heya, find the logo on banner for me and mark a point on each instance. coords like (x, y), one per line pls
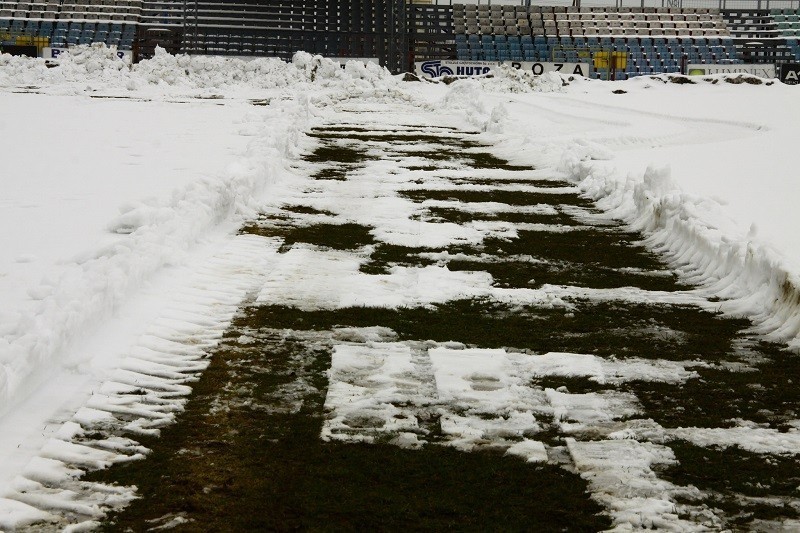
(434, 69)
(697, 69)
(790, 73)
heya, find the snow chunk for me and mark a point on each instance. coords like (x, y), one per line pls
(621, 478)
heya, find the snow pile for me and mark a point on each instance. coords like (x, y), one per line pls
(98, 66)
(507, 79)
(153, 234)
(84, 64)
(752, 278)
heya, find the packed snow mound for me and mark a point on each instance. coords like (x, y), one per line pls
(98, 64)
(507, 79)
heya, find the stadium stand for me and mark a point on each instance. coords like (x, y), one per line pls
(620, 42)
(758, 34)
(629, 41)
(62, 23)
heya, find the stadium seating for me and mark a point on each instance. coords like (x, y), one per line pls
(68, 22)
(645, 40)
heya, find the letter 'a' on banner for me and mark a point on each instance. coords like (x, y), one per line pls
(790, 73)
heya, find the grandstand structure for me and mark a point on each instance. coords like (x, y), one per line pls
(619, 42)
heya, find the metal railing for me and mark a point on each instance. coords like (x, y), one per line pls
(718, 4)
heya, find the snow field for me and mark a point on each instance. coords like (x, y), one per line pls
(390, 390)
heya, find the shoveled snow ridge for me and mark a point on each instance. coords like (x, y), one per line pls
(139, 398)
(151, 236)
(750, 278)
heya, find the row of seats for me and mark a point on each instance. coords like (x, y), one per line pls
(641, 55)
(539, 48)
(111, 10)
(787, 22)
(63, 33)
(517, 20)
(483, 8)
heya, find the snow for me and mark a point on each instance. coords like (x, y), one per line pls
(120, 267)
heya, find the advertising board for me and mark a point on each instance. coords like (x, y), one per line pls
(434, 69)
(52, 53)
(762, 71)
(790, 73)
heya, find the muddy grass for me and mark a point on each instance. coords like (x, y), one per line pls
(334, 236)
(246, 454)
(739, 480)
(518, 198)
(241, 459)
(621, 329)
(765, 395)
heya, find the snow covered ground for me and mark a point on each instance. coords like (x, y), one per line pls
(123, 191)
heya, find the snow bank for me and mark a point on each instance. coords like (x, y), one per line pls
(693, 234)
(96, 66)
(158, 232)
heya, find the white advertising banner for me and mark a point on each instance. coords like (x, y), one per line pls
(581, 69)
(763, 71)
(52, 53)
(434, 69)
